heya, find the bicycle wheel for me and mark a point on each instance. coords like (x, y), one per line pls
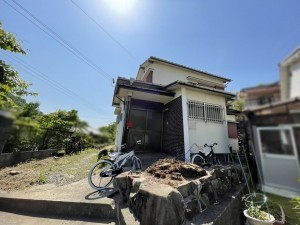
(198, 160)
(100, 175)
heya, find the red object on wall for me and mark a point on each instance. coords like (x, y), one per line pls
(129, 124)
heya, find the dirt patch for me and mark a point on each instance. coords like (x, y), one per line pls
(54, 170)
(173, 172)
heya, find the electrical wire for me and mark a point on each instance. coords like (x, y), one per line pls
(51, 33)
(105, 31)
(44, 78)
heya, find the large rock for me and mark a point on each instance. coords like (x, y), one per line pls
(158, 204)
(191, 188)
(171, 192)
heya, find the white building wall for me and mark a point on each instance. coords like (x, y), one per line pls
(166, 74)
(234, 143)
(120, 127)
(201, 132)
(295, 80)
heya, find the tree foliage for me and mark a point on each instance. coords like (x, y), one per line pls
(32, 129)
(238, 104)
(11, 85)
(108, 133)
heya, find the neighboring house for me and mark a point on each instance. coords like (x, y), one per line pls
(276, 133)
(290, 76)
(170, 107)
(260, 95)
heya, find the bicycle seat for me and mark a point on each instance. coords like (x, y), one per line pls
(114, 155)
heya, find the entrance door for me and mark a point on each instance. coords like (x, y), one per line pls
(147, 128)
(280, 163)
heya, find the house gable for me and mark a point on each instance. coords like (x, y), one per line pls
(165, 72)
(290, 75)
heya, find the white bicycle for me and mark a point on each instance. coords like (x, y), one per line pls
(103, 172)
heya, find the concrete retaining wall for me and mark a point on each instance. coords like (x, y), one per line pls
(7, 159)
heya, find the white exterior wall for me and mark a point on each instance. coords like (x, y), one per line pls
(295, 80)
(201, 132)
(234, 143)
(166, 74)
(230, 118)
(185, 115)
(120, 127)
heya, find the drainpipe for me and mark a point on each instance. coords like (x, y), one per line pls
(185, 125)
(127, 116)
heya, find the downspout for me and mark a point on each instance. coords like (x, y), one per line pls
(127, 104)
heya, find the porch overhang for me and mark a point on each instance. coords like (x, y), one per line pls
(140, 90)
(177, 84)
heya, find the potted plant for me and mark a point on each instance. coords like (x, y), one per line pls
(256, 216)
(255, 212)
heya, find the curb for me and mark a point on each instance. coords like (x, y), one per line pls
(52, 208)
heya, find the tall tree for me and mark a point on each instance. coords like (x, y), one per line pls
(11, 85)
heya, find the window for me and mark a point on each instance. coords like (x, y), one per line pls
(276, 142)
(148, 77)
(205, 111)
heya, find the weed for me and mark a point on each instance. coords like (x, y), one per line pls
(42, 178)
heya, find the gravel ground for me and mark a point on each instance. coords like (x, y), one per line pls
(53, 170)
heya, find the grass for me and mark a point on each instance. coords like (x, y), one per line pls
(60, 171)
(42, 178)
(292, 217)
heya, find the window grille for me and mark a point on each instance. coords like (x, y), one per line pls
(205, 111)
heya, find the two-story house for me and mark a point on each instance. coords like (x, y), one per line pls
(170, 107)
(260, 95)
(276, 133)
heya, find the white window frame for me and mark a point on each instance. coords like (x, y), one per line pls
(205, 111)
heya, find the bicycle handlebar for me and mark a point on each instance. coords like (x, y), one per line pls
(206, 145)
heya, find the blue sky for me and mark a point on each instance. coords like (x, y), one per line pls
(241, 40)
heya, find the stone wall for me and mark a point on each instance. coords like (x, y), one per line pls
(7, 159)
(214, 198)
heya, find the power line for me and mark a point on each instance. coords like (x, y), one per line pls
(51, 33)
(60, 88)
(106, 32)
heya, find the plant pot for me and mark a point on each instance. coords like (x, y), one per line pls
(254, 221)
(5, 127)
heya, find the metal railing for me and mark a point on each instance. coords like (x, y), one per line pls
(205, 111)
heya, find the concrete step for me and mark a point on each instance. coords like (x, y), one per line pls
(52, 208)
(76, 200)
(8, 218)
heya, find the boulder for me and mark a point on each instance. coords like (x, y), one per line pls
(158, 204)
(191, 188)
(124, 185)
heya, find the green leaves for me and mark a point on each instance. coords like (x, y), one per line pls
(9, 42)
(238, 104)
(11, 85)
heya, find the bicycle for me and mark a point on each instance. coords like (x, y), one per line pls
(106, 170)
(203, 160)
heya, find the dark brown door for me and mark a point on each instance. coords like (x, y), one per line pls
(147, 128)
